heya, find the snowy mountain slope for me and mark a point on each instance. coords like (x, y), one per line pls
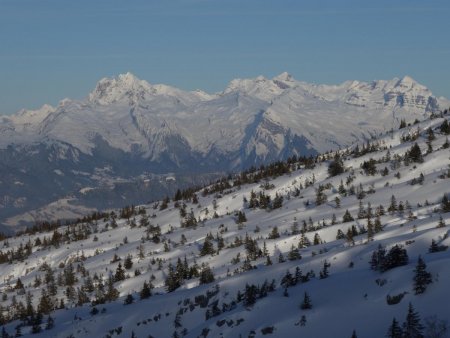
(245, 250)
(160, 129)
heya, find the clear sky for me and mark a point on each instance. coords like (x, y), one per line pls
(52, 49)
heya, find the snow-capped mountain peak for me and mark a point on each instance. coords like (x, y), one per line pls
(285, 77)
(124, 86)
(408, 83)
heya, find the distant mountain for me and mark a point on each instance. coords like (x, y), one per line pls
(127, 130)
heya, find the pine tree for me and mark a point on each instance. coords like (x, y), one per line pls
(394, 331)
(120, 273)
(294, 228)
(274, 233)
(129, 299)
(206, 275)
(317, 240)
(50, 323)
(128, 263)
(354, 334)
(306, 304)
(393, 206)
(347, 217)
(336, 166)
(377, 226)
(304, 241)
(445, 204)
(370, 230)
(146, 291)
(207, 248)
(422, 277)
(441, 223)
(241, 217)
(69, 275)
(340, 234)
(445, 127)
(321, 197)
(294, 254)
(415, 154)
(111, 292)
(412, 328)
(433, 247)
(324, 272)
(250, 295)
(45, 305)
(172, 281)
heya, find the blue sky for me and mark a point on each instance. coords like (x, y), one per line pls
(52, 49)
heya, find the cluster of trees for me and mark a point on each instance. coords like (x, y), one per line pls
(383, 261)
(177, 274)
(263, 201)
(412, 327)
(254, 292)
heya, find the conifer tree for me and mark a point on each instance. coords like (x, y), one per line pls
(128, 263)
(340, 234)
(324, 272)
(207, 248)
(336, 166)
(347, 217)
(146, 291)
(294, 254)
(317, 240)
(120, 273)
(206, 275)
(415, 154)
(441, 223)
(111, 292)
(321, 197)
(445, 127)
(377, 225)
(394, 331)
(306, 304)
(433, 247)
(241, 218)
(129, 299)
(412, 328)
(393, 206)
(422, 277)
(250, 295)
(445, 204)
(370, 230)
(172, 281)
(274, 233)
(50, 323)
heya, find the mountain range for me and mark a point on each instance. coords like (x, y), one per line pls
(135, 141)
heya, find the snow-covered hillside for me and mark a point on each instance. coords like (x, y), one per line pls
(157, 129)
(238, 258)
